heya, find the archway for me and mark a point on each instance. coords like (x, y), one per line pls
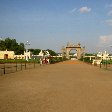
(79, 50)
(5, 56)
(73, 54)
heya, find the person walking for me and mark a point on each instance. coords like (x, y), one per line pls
(41, 61)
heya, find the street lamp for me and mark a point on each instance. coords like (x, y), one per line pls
(27, 44)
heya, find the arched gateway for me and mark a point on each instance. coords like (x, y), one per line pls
(66, 50)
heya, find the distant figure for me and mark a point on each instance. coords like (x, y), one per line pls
(46, 61)
(41, 61)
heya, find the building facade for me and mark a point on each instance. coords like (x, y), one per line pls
(11, 55)
(7, 54)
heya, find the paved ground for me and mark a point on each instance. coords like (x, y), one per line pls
(63, 87)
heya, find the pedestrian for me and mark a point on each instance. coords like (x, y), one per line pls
(41, 62)
(45, 61)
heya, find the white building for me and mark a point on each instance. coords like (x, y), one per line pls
(41, 53)
(11, 55)
(26, 55)
(6, 54)
(101, 56)
(104, 56)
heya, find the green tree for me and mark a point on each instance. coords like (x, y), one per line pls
(51, 52)
(34, 51)
(20, 49)
(12, 45)
(2, 45)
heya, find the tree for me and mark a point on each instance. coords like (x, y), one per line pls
(51, 52)
(20, 48)
(2, 45)
(34, 51)
(12, 45)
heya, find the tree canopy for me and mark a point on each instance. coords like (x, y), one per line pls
(19, 48)
(51, 52)
(34, 51)
(37, 51)
(12, 45)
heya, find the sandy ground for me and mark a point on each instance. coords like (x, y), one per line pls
(70, 86)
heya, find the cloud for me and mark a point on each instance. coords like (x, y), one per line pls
(73, 11)
(110, 13)
(84, 9)
(109, 22)
(105, 39)
(81, 10)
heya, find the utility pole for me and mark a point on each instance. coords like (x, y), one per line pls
(27, 44)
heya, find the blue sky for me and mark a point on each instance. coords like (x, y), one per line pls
(50, 24)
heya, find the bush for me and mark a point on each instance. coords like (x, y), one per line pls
(87, 59)
(33, 60)
(12, 60)
(53, 60)
(106, 61)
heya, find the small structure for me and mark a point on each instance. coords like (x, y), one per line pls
(101, 56)
(96, 62)
(11, 55)
(104, 56)
(27, 55)
(47, 53)
(43, 56)
(41, 53)
(6, 54)
(90, 57)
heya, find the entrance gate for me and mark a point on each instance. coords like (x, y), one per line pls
(66, 50)
(5, 56)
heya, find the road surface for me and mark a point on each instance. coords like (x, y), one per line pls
(70, 86)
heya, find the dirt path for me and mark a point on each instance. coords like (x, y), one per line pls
(63, 87)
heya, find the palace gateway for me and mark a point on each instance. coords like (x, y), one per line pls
(66, 50)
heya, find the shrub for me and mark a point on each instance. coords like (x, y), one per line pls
(87, 59)
(53, 60)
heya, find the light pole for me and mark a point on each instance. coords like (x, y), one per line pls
(26, 44)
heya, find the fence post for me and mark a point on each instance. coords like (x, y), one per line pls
(16, 65)
(106, 64)
(34, 64)
(100, 64)
(21, 65)
(25, 65)
(4, 68)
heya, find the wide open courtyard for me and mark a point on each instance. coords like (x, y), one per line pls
(70, 86)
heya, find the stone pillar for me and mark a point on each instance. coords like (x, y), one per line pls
(90, 57)
(78, 53)
(67, 53)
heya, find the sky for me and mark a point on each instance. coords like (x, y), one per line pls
(50, 24)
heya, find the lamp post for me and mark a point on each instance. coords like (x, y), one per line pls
(26, 44)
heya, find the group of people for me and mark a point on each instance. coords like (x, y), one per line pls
(44, 61)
